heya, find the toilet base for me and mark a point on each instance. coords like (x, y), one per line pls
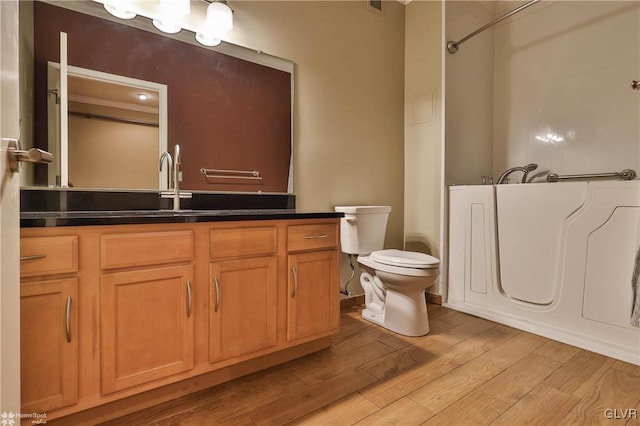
(404, 314)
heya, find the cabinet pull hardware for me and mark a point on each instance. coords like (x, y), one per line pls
(315, 237)
(33, 257)
(68, 319)
(217, 284)
(188, 298)
(295, 281)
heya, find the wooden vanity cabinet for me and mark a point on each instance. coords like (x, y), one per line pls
(48, 323)
(147, 328)
(313, 308)
(243, 286)
(158, 311)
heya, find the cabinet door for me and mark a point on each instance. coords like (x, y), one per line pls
(48, 344)
(147, 326)
(313, 299)
(242, 306)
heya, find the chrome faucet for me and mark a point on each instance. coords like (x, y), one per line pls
(524, 169)
(176, 178)
(165, 156)
(173, 178)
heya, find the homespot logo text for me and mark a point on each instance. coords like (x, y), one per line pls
(11, 419)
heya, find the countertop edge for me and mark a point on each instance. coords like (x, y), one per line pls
(59, 219)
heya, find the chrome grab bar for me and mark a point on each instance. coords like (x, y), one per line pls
(230, 174)
(626, 174)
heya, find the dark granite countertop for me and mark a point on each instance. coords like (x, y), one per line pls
(121, 217)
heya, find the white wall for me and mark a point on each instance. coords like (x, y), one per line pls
(423, 127)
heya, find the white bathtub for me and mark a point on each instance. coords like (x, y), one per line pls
(554, 259)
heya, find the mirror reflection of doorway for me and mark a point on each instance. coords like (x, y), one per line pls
(114, 131)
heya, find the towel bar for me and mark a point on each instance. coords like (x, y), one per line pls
(230, 174)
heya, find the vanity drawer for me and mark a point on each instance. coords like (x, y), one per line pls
(48, 255)
(235, 242)
(145, 248)
(312, 236)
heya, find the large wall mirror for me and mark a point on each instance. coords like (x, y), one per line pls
(228, 107)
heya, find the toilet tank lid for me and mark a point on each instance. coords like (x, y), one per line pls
(407, 259)
(362, 209)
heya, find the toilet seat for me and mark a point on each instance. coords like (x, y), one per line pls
(369, 262)
(405, 259)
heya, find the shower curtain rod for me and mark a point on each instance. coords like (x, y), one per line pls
(452, 46)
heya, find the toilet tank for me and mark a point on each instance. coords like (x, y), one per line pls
(362, 228)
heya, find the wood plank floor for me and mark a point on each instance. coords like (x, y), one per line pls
(467, 371)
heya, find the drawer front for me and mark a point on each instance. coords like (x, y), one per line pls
(145, 248)
(48, 255)
(237, 242)
(312, 236)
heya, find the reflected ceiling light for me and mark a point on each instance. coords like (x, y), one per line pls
(142, 96)
(550, 138)
(171, 13)
(218, 21)
(119, 9)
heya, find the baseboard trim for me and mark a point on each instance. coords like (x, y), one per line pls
(434, 298)
(348, 302)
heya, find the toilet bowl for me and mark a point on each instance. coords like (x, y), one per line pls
(394, 281)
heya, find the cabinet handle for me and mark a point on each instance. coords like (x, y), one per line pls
(188, 298)
(33, 257)
(68, 319)
(315, 237)
(295, 281)
(217, 284)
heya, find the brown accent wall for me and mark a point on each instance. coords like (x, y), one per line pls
(224, 112)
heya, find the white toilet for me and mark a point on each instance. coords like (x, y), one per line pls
(394, 281)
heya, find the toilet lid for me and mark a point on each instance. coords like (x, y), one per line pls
(405, 259)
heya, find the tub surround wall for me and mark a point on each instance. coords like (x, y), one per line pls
(565, 69)
(557, 68)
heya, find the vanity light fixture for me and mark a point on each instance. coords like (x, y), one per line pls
(209, 20)
(218, 21)
(171, 13)
(119, 9)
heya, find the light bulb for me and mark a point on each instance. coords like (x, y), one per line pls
(119, 9)
(208, 39)
(170, 15)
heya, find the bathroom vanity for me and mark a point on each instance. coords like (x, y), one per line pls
(126, 309)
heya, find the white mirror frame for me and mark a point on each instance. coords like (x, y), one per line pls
(110, 78)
